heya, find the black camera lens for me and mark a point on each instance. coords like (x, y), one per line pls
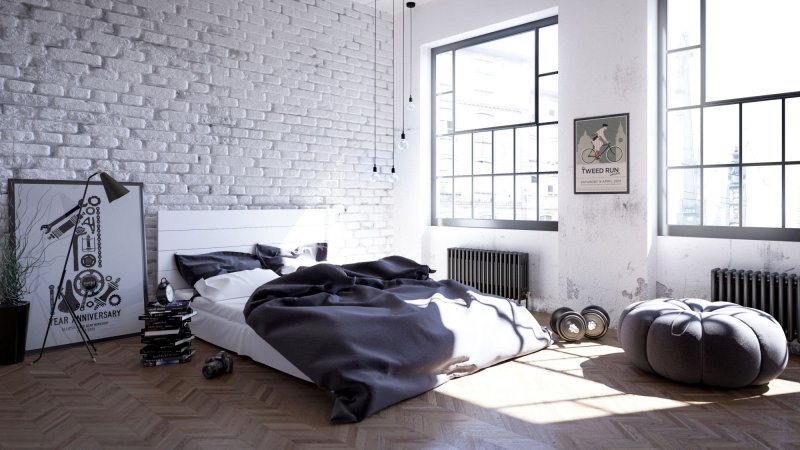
(217, 365)
(212, 368)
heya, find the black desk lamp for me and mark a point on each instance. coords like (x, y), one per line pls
(114, 190)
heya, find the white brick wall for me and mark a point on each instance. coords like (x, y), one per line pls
(211, 104)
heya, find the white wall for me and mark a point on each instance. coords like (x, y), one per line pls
(601, 248)
(606, 251)
(211, 105)
(684, 264)
(605, 239)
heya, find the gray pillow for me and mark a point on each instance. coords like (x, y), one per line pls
(196, 267)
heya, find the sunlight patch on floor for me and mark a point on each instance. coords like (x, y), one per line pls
(582, 381)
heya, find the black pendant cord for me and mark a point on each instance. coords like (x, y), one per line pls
(411, 6)
(394, 34)
(375, 95)
(403, 77)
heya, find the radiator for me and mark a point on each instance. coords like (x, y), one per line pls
(500, 273)
(776, 294)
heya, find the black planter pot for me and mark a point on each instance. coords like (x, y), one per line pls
(13, 332)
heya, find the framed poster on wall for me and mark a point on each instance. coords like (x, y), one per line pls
(106, 265)
(601, 155)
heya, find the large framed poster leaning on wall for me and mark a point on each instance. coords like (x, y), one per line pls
(106, 271)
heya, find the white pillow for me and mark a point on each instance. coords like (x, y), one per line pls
(233, 285)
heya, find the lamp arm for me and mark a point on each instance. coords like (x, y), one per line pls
(72, 238)
(64, 272)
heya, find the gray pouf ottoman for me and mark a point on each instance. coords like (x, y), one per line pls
(692, 340)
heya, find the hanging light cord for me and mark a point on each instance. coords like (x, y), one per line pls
(375, 93)
(403, 77)
(393, 62)
(411, 50)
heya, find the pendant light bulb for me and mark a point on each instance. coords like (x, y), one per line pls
(376, 176)
(403, 144)
(394, 175)
(411, 105)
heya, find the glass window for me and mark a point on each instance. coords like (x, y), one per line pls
(684, 196)
(792, 132)
(721, 134)
(495, 82)
(503, 151)
(792, 202)
(495, 116)
(731, 107)
(683, 140)
(736, 59)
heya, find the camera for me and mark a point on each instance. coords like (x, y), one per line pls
(218, 364)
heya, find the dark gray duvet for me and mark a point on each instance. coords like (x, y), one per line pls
(379, 332)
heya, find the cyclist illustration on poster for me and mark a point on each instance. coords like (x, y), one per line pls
(601, 155)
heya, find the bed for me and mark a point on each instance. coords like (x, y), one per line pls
(372, 333)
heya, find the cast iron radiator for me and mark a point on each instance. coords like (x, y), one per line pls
(776, 294)
(500, 273)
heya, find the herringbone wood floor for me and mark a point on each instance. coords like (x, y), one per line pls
(583, 395)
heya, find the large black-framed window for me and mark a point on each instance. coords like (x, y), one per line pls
(730, 111)
(494, 128)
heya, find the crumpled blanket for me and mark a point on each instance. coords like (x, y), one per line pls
(379, 332)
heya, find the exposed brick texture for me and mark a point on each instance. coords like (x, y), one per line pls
(212, 104)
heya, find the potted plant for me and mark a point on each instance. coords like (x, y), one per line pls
(13, 308)
(19, 258)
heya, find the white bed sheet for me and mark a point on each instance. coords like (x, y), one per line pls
(222, 324)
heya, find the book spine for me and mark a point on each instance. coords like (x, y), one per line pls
(164, 361)
(165, 355)
(166, 340)
(154, 348)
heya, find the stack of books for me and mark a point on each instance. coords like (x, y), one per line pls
(166, 335)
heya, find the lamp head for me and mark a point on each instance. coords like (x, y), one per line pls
(114, 189)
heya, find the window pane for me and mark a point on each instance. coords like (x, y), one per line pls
(463, 198)
(683, 23)
(761, 196)
(548, 98)
(526, 197)
(463, 154)
(761, 132)
(740, 38)
(504, 198)
(548, 197)
(548, 49)
(444, 72)
(495, 82)
(792, 132)
(721, 134)
(444, 156)
(683, 78)
(721, 196)
(504, 151)
(482, 153)
(548, 148)
(793, 196)
(683, 137)
(482, 196)
(490, 100)
(683, 207)
(444, 194)
(444, 113)
(526, 149)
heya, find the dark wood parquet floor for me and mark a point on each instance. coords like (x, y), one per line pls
(583, 395)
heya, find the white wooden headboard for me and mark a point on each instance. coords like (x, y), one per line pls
(194, 232)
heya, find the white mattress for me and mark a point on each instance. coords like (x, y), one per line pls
(222, 324)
